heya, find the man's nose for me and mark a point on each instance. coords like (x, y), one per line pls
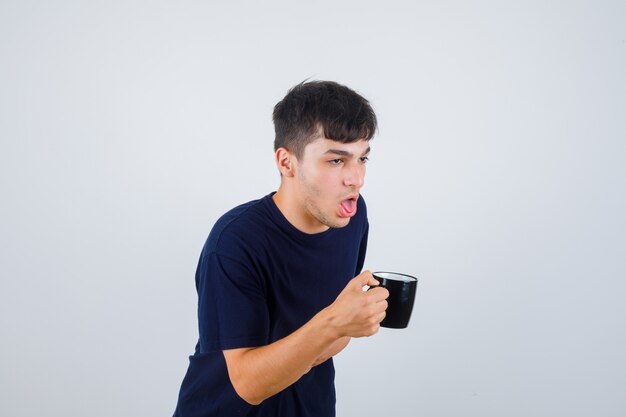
(355, 177)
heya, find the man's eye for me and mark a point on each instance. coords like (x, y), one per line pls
(335, 161)
(364, 159)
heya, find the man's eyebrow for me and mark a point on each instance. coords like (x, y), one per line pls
(341, 152)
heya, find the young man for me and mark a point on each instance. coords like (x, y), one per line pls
(280, 288)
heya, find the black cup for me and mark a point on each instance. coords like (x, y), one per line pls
(402, 290)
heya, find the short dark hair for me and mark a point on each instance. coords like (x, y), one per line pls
(312, 108)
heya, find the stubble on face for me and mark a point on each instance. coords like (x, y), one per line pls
(312, 193)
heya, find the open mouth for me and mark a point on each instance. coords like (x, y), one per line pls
(347, 208)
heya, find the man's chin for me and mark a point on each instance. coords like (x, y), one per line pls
(339, 222)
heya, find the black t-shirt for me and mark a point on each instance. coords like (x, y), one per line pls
(258, 280)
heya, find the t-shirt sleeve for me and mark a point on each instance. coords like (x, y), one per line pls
(232, 305)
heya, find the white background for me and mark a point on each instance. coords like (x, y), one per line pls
(498, 178)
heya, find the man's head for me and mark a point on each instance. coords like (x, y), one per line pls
(323, 131)
(321, 109)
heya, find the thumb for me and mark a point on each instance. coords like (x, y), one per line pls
(365, 278)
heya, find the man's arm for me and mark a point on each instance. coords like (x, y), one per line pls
(258, 373)
(332, 350)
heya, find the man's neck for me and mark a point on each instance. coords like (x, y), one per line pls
(296, 213)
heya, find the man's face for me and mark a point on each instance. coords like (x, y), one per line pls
(329, 176)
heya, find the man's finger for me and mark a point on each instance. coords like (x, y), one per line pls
(378, 294)
(381, 316)
(373, 282)
(364, 278)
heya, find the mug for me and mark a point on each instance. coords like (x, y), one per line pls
(402, 290)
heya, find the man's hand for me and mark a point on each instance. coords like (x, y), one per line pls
(355, 312)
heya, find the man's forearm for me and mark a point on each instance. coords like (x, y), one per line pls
(339, 345)
(259, 373)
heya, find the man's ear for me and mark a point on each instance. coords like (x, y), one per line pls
(286, 162)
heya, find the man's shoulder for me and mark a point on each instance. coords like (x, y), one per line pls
(242, 221)
(241, 213)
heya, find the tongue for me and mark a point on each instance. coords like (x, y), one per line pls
(348, 208)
